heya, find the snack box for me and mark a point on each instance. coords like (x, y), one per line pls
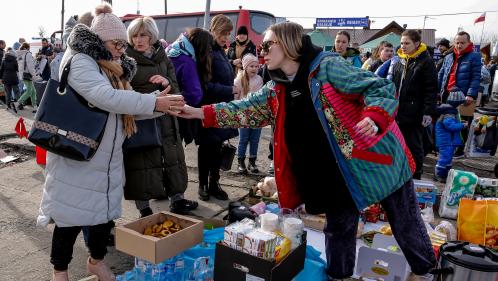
(131, 240)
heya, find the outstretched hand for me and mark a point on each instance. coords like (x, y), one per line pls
(188, 112)
(170, 104)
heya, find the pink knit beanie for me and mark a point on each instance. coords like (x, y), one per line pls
(247, 59)
(107, 25)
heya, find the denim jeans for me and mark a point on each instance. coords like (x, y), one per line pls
(406, 223)
(11, 92)
(248, 137)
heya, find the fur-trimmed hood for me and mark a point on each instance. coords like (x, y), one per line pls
(83, 40)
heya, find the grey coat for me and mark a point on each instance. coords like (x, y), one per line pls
(79, 193)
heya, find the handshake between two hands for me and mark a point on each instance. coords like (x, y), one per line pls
(175, 105)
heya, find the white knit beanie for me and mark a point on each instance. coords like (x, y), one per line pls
(107, 25)
(247, 59)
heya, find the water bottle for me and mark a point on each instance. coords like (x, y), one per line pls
(139, 269)
(143, 270)
(129, 276)
(179, 267)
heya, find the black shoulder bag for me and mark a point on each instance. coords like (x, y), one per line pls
(65, 123)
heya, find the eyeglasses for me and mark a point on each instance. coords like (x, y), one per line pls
(266, 45)
(119, 44)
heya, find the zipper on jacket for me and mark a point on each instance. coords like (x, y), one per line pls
(109, 167)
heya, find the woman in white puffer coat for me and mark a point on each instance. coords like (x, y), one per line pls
(89, 193)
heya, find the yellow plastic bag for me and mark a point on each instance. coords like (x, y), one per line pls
(478, 222)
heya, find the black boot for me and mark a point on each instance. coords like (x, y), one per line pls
(146, 212)
(252, 165)
(203, 192)
(242, 165)
(216, 191)
(20, 106)
(183, 206)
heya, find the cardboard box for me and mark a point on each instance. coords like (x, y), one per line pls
(426, 191)
(383, 260)
(313, 221)
(130, 240)
(233, 265)
(468, 110)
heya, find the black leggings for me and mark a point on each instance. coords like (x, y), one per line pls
(209, 161)
(63, 240)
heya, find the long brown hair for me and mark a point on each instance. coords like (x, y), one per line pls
(202, 42)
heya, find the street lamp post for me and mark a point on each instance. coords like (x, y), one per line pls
(165, 7)
(206, 13)
(62, 18)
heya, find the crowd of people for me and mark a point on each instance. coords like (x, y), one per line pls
(348, 131)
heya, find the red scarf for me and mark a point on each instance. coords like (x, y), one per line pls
(452, 79)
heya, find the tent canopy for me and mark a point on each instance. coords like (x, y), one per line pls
(392, 38)
(322, 40)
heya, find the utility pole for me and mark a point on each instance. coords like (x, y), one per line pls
(165, 7)
(207, 13)
(62, 18)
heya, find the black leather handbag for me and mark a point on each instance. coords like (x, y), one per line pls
(66, 124)
(148, 134)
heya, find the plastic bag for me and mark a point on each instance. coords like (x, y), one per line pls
(448, 229)
(459, 185)
(314, 267)
(478, 222)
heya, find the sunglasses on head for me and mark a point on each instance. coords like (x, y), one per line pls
(266, 45)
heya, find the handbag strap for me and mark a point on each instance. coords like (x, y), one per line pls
(64, 76)
(24, 68)
(68, 134)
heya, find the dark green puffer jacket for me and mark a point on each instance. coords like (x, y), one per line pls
(155, 172)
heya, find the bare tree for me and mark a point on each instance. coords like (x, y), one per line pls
(42, 31)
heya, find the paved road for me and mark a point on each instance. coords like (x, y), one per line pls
(25, 248)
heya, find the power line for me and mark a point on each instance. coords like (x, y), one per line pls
(414, 16)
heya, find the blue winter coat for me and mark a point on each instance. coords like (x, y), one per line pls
(218, 89)
(448, 129)
(468, 74)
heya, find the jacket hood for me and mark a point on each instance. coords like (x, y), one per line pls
(21, 53)
(181, 46)
(446, 109)
(422, 48)
(351, 52)
(448, 52)
(83, 40)
(307, 54)
(11, 53)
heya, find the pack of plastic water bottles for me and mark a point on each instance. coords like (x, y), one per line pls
(173, 269)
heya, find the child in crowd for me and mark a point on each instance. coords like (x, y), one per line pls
(248, 81)
(448, 127)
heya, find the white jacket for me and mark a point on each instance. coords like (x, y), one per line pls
(79, 193)
(30, 62)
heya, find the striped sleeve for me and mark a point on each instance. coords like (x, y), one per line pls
(377, 92)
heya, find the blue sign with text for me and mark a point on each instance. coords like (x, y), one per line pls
(342, 22)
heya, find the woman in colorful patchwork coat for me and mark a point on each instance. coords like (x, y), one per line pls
(337, 147)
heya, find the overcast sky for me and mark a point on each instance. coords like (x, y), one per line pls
(22, 18)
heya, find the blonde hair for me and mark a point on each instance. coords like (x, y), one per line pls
(148, 25)
(289, 36)
(221, 24)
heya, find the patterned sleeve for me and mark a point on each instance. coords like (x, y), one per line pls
(255, 111)
(378, 94)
